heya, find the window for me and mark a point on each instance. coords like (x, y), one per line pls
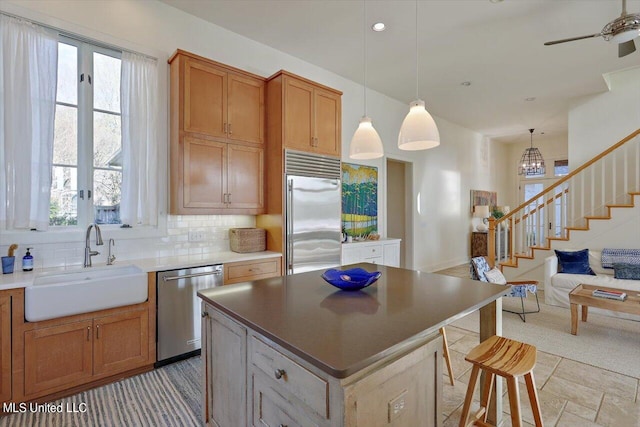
(87, 166)
(561, 167)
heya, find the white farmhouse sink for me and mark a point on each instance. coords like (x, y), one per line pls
(81, 291)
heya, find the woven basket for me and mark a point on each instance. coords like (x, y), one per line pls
(247, 239)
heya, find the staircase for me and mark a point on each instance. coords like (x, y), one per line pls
(592, 192)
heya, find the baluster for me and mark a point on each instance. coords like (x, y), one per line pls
(581, 197)
(613, 176)
(512, 239)
(626, 170)
(603, 185)
(637, 139)
(592, 173)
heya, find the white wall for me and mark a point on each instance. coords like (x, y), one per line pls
(442, 176)
(599, 121)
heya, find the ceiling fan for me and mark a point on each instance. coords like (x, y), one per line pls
(621, 30)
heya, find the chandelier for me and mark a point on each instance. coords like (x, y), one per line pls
(531, 162)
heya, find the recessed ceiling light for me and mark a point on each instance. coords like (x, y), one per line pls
(496, 1)
(378, 26)
(466, 83)
(533, 98)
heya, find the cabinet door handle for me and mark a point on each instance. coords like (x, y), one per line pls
(229, 198)
(205, 314)
(230, 132)
(279, 373)
(224, 128)
(97, 332)
(88, 333)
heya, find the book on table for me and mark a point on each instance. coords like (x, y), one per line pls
(610, 294)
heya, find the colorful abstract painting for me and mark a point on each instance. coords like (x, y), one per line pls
(359, 199)
(483, 198)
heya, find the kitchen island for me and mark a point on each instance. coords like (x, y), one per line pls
(294, 350)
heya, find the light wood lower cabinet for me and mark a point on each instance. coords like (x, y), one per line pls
(403, 389)
(70, 354)
(57, 357)
(5, 348)
(121, 342)
(244, 271)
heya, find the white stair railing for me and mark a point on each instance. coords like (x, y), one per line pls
(586, 193)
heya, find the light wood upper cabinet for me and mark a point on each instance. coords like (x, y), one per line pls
(298, 115)
(205, 99)
(303, 115)
(217, 138)
(204, 173)
(328, 112)
(245, 109)
(245, 177)
(222, 104)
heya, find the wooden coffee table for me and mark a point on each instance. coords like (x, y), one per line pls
(581, 295)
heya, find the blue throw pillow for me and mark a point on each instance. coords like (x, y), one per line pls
(574, 262)
(626, 271)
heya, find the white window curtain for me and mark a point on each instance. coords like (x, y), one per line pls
(28, 83)
(139, 88)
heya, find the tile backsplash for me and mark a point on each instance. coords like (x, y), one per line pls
(186, 235)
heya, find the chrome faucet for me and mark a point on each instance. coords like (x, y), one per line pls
(111, 257)
(88, 253)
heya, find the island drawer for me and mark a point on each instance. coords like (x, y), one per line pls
(251, 270)
(291, 377)
(271, 409)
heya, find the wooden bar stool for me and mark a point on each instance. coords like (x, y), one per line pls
(447, 357)
(509, 359)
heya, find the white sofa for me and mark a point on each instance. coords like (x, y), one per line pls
(557, 286)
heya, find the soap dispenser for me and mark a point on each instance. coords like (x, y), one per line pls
(27, 261)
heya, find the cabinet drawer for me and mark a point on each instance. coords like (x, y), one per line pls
(292, 378)
(251, 270)
(372, 251)
(272, 409)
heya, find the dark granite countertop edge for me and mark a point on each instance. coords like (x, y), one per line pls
(350, 370)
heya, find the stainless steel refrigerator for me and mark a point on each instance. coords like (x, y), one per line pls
(313, 206)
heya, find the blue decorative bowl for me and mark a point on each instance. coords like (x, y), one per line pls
(350, 280)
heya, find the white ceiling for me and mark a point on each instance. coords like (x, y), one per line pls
(498, 47)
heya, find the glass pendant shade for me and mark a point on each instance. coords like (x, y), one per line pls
(531, 162)
(418, 130)
(366, 143)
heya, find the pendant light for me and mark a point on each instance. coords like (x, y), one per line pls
(366, 143)
(531, 162)
(418, 130)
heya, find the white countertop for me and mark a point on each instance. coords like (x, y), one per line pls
(380, 240)
(21, 279)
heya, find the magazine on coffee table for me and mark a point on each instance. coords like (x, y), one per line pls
(615, 295)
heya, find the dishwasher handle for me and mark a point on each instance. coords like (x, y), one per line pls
(187, 276)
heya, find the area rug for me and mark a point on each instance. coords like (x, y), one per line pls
(169, 396)
(605, 342)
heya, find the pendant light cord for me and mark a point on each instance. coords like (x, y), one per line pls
(417, 95)
(364, 36)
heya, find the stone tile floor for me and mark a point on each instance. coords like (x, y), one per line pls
(570, 393)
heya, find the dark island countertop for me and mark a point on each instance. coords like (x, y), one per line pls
(343, 332)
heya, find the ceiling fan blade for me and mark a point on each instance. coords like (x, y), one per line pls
(572, 39)
(626, 48)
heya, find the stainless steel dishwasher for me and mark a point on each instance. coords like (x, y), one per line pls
(178, 315)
